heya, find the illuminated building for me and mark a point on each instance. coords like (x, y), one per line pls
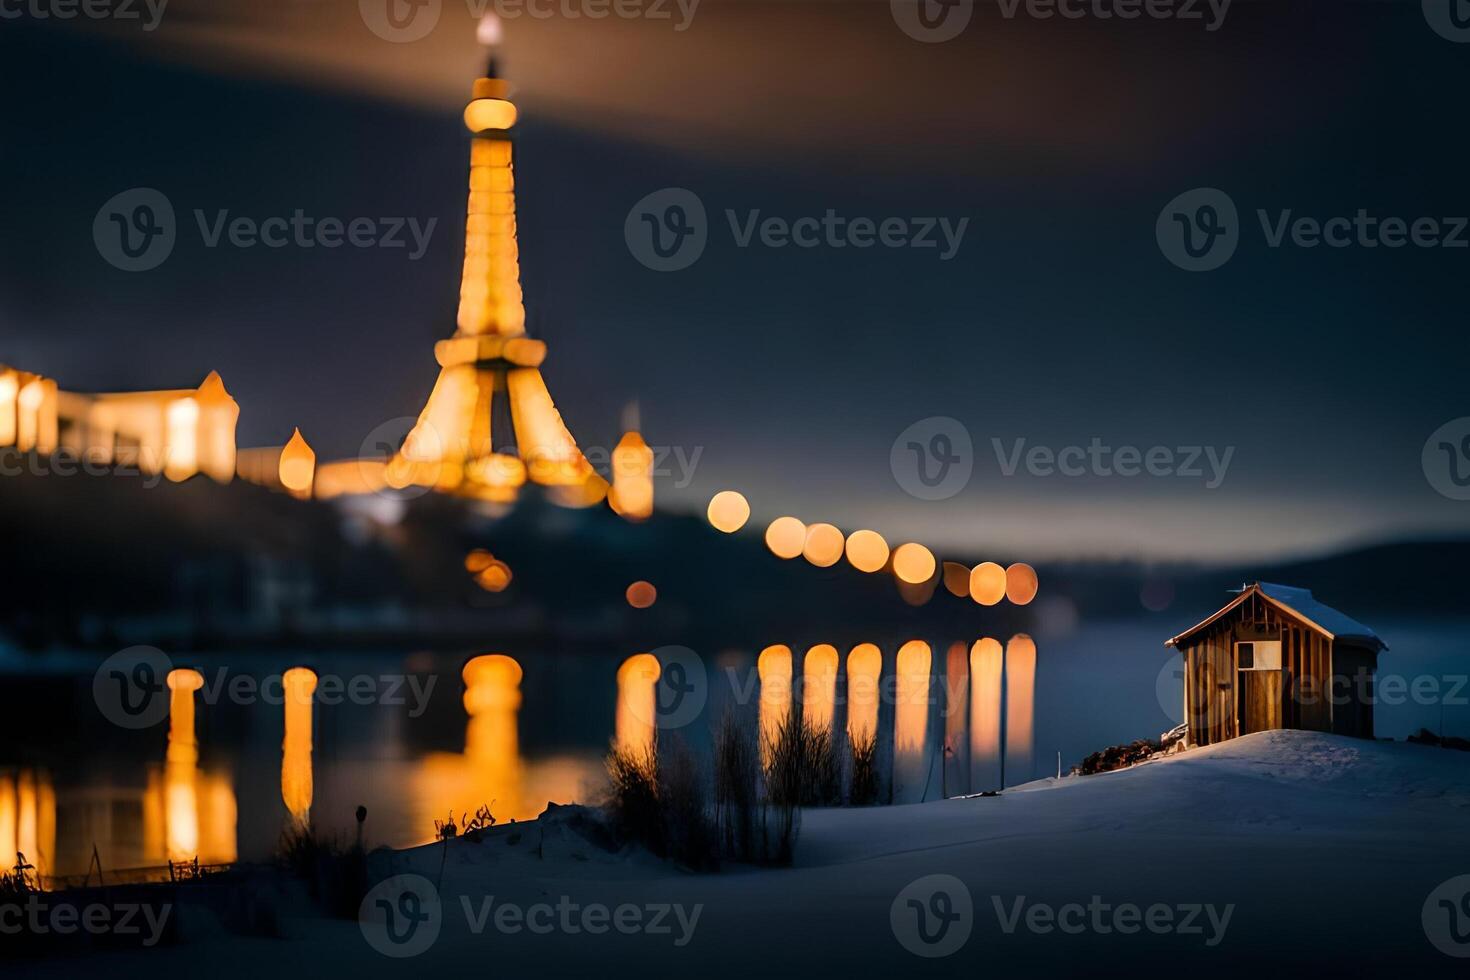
(28, 411)
(291, 468)
(631, 495)
(179, 432)
(490, 425)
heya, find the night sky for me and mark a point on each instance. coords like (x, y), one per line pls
(793, 370)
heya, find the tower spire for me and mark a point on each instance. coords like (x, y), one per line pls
(490, 371)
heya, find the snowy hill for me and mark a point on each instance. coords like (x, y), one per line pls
(1273, 852)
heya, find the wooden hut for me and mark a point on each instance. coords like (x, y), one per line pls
(1275, 657)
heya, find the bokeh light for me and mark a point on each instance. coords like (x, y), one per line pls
(495, 577)
(988, 583)
(823, 545)
(913, 563)
(641, 594)
(867, 551)
(956, 579)
(786, 537)
(1021, 583)
(728, 511)
(297, 465)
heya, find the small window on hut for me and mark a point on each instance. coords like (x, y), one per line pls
(1258, 655)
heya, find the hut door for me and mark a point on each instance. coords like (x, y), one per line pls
(1258, 669)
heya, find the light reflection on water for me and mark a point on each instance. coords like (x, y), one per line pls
(224, 779)
(186, 810)
(234, 777)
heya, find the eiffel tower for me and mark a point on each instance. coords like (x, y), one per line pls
(490, 425)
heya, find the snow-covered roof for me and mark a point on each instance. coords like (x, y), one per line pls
(1304, 606)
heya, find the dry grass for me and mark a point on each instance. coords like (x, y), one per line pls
(863, 788)
(737, 789)
(335, 874)
(658, 798)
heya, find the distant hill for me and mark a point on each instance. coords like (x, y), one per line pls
(106, 562)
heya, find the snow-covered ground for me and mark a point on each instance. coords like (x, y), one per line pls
(1274, 852)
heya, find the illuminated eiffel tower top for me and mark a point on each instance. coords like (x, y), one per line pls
(490, 424)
